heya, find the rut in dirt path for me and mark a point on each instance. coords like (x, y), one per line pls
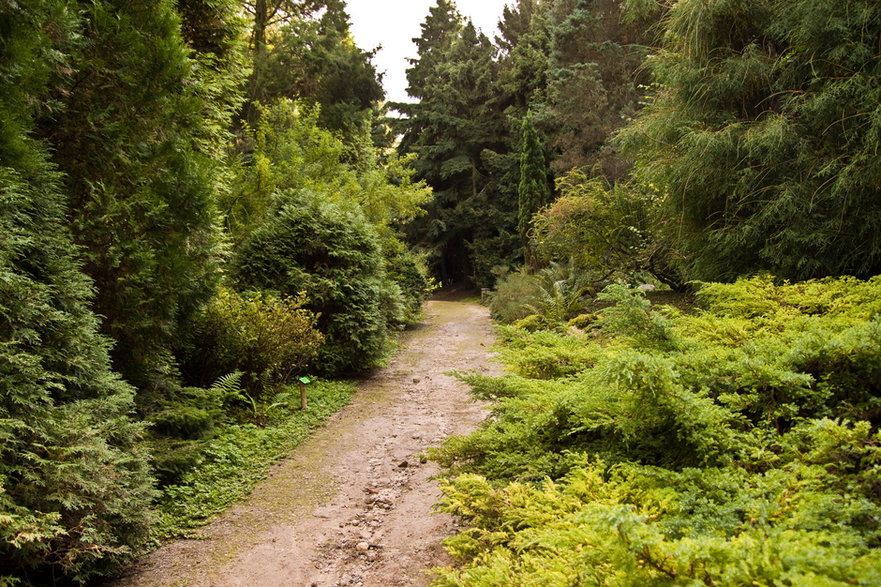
(353, 505)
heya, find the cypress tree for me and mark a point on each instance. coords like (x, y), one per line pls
(130, 140)
(533, 190)
(74, 484)
(764, 137)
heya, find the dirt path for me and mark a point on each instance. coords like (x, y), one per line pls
(353, 505)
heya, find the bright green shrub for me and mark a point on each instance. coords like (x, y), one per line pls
(269, 339)
(582, 321)
(737, 444)
(543, 354)
(332, 252)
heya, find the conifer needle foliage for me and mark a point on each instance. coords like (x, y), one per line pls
(738, 444)
(75, 488)
(763, 136)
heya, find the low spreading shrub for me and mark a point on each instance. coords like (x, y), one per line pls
(735, 444)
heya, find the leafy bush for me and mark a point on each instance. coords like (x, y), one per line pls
(564, 291)
(554, 295)
(410, 272)
(602, 229)
(331, 251)
(269, 339)
(736, 444)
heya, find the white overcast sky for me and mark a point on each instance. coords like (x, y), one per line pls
(394, 23)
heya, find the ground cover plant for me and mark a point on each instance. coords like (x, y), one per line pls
(237, 459)
(734, 444)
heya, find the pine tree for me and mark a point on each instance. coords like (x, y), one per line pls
(763, 137)
(75, 489)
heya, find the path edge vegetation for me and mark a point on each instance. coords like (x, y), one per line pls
(203, 200)
(733, 441)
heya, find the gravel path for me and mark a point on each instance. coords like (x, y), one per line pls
(354, 504)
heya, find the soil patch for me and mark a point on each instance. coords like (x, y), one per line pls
(354, 504)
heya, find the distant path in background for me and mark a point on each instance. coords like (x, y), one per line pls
(352, 505)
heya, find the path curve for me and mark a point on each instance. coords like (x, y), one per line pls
(353, 505)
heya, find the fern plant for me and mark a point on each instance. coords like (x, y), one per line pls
(563, 293)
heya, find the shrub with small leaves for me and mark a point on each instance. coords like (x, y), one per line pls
(734, 444)
(268, 338)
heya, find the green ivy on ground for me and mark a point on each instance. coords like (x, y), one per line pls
(239, 458)
(734, 444)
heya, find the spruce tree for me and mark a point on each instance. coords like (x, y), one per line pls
(458, 131)
(75, 489)
(594, 76)
(763, 137)
(525, 50)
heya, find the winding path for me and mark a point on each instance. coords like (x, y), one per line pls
(352, 505)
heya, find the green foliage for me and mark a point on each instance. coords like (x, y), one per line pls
(602, 229)
(409, 271)
(533, 191)
(547, 299)
(515, 295)
(762, 137)
(563, 294)
(332, 252)
(544, 354)
(75, 488)
(129, 135)
(312, 57)
(734, 444)
(458, 134)
(233, 462)
(268, 339)
(594, 69)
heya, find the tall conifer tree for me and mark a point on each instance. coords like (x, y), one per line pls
(141, 189)
(457, 131)
(533, 190)
(764, 137)
(74, 485)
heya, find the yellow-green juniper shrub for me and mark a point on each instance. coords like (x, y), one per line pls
(738, 444)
